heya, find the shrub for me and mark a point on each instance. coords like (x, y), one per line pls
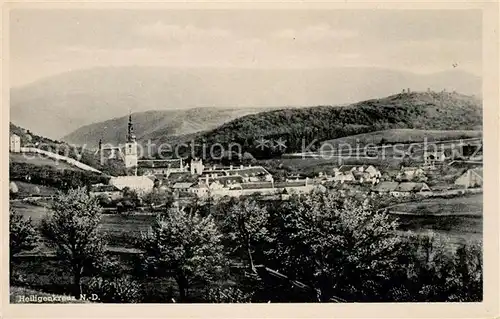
(123, 289)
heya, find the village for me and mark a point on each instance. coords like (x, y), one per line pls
(196, 180)
(186, 181)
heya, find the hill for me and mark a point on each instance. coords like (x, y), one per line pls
(84, 155)
(404, 136)
(424, 111)
(155, 125)
(58, 105)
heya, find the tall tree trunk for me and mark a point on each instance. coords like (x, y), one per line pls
(183, 287)
(77, 283)
(250, 258)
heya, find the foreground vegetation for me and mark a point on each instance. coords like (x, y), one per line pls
(321, 247)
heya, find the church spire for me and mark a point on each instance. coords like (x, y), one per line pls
(130, 131)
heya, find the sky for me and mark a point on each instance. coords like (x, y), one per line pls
(48, 42)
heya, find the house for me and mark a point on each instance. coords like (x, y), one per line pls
(223, 181)
(432, 158)
(408, 188)
(365, 177)
(15, 143)
(163, 166)
(201, 190)
(345, 169)
(471, 178)
(140, 184)
(374, 172)
(110, 191)
(251, 173)
(385, 187)
(175, 177)
(182, 186)
(410, 173)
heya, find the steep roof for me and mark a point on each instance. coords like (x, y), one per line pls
(259, 185)
(385, 186)
(182, 185)
(132, 182)
(97, 188)
(179, 176)
(411, 187)
(409, 168)
(224, 180)
(250, 171)
(346, 168)
(164, 163)
(291, 184)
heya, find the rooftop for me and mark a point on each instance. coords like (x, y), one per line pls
(385, 186)
(182, 185)
(411, 187)
(161, 163)
(97, 188)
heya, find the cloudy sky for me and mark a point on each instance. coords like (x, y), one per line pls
(48, 42)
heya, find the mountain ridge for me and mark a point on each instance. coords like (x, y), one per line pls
(53, 106)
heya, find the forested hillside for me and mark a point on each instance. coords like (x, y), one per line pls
(429, 111)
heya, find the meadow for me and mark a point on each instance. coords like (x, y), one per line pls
(37, 159)
(459, 219)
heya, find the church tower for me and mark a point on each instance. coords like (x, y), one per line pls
(131, 147)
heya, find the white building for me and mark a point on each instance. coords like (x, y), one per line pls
(140, 184)
(15, 143)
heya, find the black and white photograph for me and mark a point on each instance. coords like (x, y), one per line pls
(216, 156)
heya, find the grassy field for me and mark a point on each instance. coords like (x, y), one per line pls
(38, 159)
(29, 189)
(464, 205)
(459, 218)
(113, 225)
(403, 136)
(37, 213)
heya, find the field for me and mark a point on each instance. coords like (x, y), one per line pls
(459, 218)
(29, 189)
(118, 226)
(403, 136)
(466, 205)
(37, 159)
(35, 212)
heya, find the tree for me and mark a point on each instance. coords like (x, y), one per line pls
(158, 197)
(13, 189)
(22, 234)
(72, 230)
(340, 246)
(245, 223)
(185, 247)
(437, 272)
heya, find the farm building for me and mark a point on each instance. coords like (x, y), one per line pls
(139, 184)
(408, 188)
(109, 191)
(471, 178)
(385, 187)
(410, 173)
